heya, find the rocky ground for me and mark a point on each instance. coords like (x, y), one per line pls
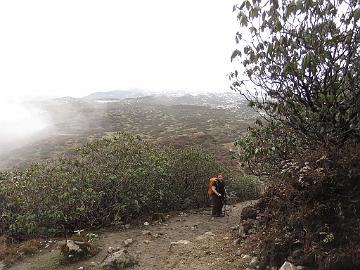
(185, 240)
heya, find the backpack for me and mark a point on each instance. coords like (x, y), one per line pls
(212, 182)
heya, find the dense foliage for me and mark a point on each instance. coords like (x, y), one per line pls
(108, 181)
(266, 145)
(301, 63)
(300, 69)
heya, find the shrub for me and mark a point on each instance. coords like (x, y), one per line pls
(107, 181)
(265, 146)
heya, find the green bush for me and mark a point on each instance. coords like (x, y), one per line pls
(241, 188)
(265, 146)
(107, 181)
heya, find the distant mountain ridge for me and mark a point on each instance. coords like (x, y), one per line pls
(116, 94)
(172, 98)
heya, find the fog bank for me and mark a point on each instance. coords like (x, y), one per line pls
(20, 122)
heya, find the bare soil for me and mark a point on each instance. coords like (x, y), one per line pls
(211, 244)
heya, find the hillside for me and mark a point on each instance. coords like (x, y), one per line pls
(213, 121)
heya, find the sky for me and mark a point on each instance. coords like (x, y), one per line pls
(77, 47)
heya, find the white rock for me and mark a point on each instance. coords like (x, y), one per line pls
(72, 246)
(81, 268)
(254, 262)
(288, 266)
(180, 242)
(237, 241)
(146, 223)
(246, 258)
(127, 242)
(209, 234)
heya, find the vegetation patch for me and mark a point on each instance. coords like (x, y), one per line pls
(310, 215)
(108, 181)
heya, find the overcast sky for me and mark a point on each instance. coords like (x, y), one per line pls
(76, 47)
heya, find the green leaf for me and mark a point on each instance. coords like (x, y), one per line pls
(235, 54)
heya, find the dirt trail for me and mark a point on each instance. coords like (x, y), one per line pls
(153, 249)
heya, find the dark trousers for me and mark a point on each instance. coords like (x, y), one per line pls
(217, 205)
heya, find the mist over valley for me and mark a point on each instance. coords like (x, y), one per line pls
(46, 128)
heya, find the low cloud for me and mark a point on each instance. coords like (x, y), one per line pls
(20, 122)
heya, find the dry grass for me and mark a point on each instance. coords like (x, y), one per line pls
(11, 252)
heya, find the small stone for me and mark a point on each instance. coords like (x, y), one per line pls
(127, 242)
(209, 234)
(237, 241)
(246, 258)
(180, 242)
(146, 223)
(193, 228)
(81, 268)
(225, 238)
(127, 226)
(288, 266)
(146, 232)
(156, 235)
(254, 262)
(146, 242)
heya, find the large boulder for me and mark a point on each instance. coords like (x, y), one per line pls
(118, 260)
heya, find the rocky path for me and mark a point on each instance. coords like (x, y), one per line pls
(186, 240)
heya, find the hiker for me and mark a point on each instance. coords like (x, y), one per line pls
(217, 193)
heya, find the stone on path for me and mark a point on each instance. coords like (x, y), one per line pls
(246, 258)
(180, 242)
(254, 262)
(288, 266)
(128, 242)
(118, 260)
(205, 236)
(75, 250)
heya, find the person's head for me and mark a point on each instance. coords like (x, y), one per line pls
(220, 177)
